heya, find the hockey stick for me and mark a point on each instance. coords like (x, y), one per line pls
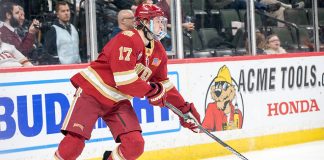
(190, 117)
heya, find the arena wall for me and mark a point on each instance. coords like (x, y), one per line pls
(280, 98)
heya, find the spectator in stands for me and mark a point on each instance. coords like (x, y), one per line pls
(21, 18)
(126, 21)
(11, 57)
(62, 40)
(260, 43)
(188, 26)
(279, 14)
(165, 6)
(22, 29)
(9, 14)
(272, 45)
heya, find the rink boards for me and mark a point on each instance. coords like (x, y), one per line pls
(280, 98)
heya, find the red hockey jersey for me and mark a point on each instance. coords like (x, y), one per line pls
(123, 70)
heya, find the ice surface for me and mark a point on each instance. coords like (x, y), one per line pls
(305, 151)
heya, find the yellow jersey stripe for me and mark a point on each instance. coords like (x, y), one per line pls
(127, 77)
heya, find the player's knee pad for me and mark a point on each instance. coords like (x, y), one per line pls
(132, 145)
(70, 147)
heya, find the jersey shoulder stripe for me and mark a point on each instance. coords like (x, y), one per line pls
(109, 92)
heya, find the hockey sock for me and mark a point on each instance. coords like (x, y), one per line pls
(70, 147)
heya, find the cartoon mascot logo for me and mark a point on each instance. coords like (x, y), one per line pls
(223, 111)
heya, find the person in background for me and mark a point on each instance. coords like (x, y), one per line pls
(126, 21)
(279, 14)
(9, 14)
(62, 40)
(21, 18)
(187, 24)
(133, 64)
(11, 57)
(260, 43)
(272, 45)
(22, 30)
(165, 6)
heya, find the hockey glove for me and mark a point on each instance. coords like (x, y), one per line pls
(190, 109)
(156, 95)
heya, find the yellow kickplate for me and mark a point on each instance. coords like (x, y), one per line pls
(209, 150)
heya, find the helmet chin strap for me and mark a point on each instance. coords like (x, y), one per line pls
(147, 31)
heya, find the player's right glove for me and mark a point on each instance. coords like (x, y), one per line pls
(189, 108)
(157, 95)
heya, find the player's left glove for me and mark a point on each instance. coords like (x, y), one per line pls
(157, 95)
(189, 108)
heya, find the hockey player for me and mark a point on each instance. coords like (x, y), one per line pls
(132, 64)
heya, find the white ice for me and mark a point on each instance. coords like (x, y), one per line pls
(304, 151)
